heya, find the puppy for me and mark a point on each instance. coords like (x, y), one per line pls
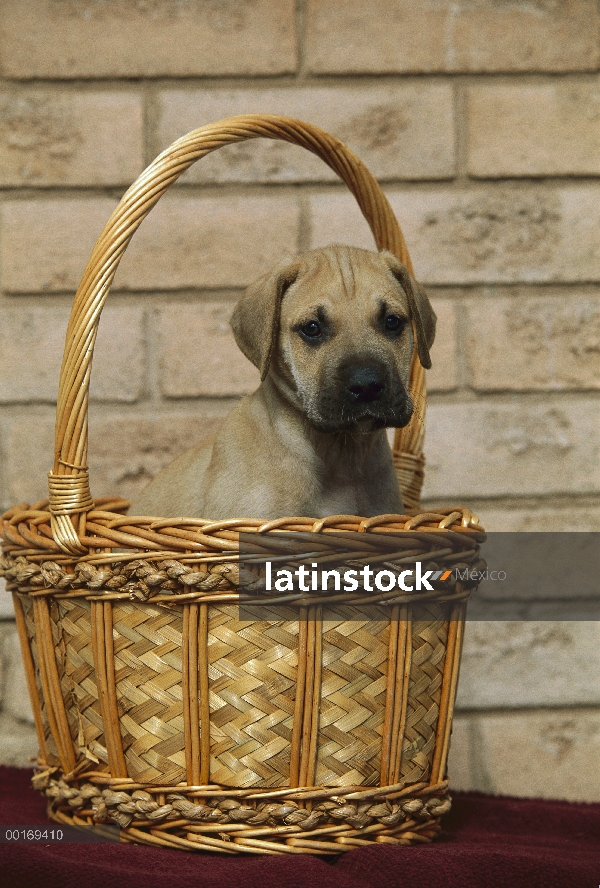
(331, 332)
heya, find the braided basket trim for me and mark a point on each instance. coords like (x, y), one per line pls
(213, 817)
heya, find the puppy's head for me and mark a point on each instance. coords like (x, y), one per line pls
(334, 327)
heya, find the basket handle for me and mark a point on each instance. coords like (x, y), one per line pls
(68, 482)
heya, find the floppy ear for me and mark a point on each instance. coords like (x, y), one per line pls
(255, 320)
(421, 312)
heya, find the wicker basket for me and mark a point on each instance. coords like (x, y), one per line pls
(157, 705)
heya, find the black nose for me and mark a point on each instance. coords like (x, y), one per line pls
(365, 384)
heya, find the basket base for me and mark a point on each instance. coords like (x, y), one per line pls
(317, 843)
(232, 823)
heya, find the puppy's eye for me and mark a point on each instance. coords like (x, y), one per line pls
(393, 323)
(311, 329)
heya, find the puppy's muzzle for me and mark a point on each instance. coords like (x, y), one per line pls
(362, 396)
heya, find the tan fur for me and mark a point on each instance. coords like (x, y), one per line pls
(301, 444)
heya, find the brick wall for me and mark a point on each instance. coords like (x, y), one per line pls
(481, 119)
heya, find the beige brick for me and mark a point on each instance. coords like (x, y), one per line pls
(460, 759)
(336, 219)
(528, 664)
(469, 35)
(119, 364)
(545, 754)
(15, 699)
(126, 451)
(520, 448)
(31, 348)
(404, 131)
(579, 518)
(484, 35)
(534, 343)
(6, 606)
(45, 244)
(198, 354)
(184, 242)
(383, 36)
(83, 38)
(18, 742)
(534, 129)
(548, 754)
(59, 138)
(501, 234)
(209, 242)
(443, 373)
(28, 445)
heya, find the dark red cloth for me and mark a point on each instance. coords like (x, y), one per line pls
(488, 842)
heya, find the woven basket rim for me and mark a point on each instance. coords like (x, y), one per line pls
(35, 522)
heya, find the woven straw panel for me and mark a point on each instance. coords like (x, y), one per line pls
(79, 667)
(66, 682)
(147, 642)
(353, 691)
(429, 639)
(253, 659)
(51, 750)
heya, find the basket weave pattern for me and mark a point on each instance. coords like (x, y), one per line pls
(310, 725)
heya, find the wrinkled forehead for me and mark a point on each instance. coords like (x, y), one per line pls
(335, 277)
